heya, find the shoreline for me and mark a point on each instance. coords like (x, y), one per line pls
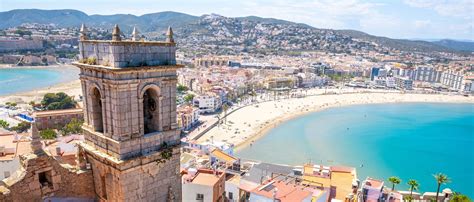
(333, 100)
(12, 66)
(264, 131)
(69, 86)
(72, 88)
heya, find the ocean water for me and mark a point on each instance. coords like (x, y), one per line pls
(410, 140)
(14, 80)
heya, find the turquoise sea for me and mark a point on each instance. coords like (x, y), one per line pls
(14, 80)
(411, 140)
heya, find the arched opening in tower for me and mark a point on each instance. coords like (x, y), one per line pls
(150, 111)
(97, 119)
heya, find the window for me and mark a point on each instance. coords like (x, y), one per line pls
(231, 195)
(199, 197)
(97, 121)
(6, 174)
(151, 111)
(45, 179)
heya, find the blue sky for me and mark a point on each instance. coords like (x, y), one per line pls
(426, 19)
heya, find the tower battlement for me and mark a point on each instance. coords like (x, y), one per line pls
(126, 54)
(118, 53)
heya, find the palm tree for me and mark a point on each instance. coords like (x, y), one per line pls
(394, 180)
(225, 107)
(413, 186)
(458, 197)
(440, 179)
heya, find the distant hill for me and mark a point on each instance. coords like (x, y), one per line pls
(63, 18)
(74, 18)
(400, 44)
(249, 32)
(456, 45)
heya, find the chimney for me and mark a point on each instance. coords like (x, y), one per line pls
(116, 33)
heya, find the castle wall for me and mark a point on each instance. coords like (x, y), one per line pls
(64, 182)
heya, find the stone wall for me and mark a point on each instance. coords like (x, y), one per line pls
(140, 179)
(63, 182)
(56, 119)
(126, 54)
(123, 134)
(133, 147)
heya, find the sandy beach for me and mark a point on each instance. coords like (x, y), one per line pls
(252, 122)
(70, 87)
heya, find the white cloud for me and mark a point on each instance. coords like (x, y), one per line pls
(459, 8)
(421, 24)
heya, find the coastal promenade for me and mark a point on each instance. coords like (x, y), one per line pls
(247, 123)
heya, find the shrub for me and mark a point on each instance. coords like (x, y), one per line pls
(91, 61)
(189, 98)
(48, 134)
(4, 124)
(181, 88)
(73, 127)
(21, 127)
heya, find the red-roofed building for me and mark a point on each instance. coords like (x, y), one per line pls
(371, 190)
(276, 190)
(203, 185)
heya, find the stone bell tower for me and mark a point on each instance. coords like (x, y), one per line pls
(131, 137)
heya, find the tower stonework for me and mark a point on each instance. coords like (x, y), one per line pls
(131, 137)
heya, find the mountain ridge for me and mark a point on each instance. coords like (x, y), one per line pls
(185, 23)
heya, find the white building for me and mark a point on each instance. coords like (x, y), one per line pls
(390, 82)
(187, 116)
(371, 190)
(404, 83)
(208, 103)
(9, 167)
(427, 74)
(453, 79)
(308, 80)
(406, 72)
(232, 189)
(203, 185)
(9, 162)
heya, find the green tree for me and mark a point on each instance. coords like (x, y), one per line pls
(4, 124)
(440, 179)
(413, 186)
(21, 127)
(60, 100)
(189, 97)
(73, 127)
(394, 180)
(181, 88)
(458, 197)
(48, 134)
